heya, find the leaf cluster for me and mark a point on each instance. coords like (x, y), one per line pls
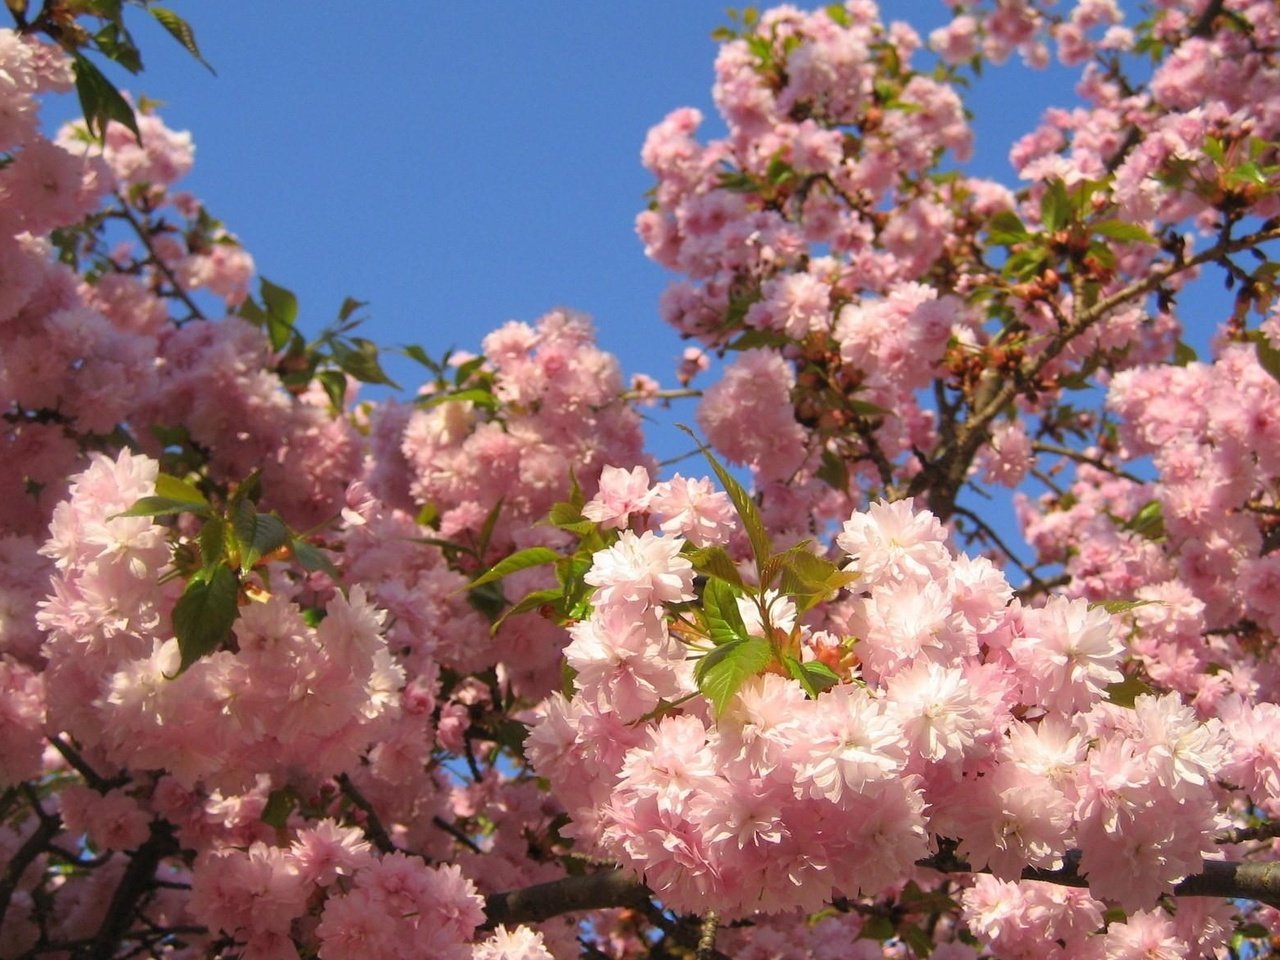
(328, 359)
(232, 545)
(98, 27)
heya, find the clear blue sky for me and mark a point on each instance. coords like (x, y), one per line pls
(459, 165)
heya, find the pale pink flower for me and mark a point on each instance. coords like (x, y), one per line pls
(893, 542)
(642, 570)
(521, 943)
(622, 492)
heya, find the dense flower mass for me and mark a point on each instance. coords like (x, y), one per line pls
(288, 673)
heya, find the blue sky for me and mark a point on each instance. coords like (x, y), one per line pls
(461, 165)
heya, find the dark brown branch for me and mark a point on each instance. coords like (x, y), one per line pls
(373, 827)
(1217, 878)
(37, 843)
(94, 779)
(457, 834)
(134, 885)
(1263, 831)
(593, 891)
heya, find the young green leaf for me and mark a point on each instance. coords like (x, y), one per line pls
(814, 676)
(1005, 229)
(181, 31)
(1123, 606)
(715, 562)
(1268, 357)
(257, 534)
(1055, 206)
(742, 503)
(1123, 231)
(724, 619)
(520, 560)
(360, 359)
(1126, 691)
(100, 101)
(311, 557)
(534, 600)
(280, 804)
(162, 507)
(723, 671)
(810, 579)
(204, 613)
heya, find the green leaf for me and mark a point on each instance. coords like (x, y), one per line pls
(779, 171)
(1148, 521)
(162, 506)
(280, 804)
(334, 383)
(1124, 693)
(349, 306)
(203, 615)
(465, 371)
(360, 359)
(417, 354)
(834, 472)
(865, 408)
(311, 557)
(921, 943)
(100, 101)
(1247, 174)
(181, 31)
(477, 395)
(1268, 357)
(486, 530)
(1122, 606)
(567, 515)
(1184, 354)
(1123, 231)
(1055, 207)
(877, 928)
(1005, 229)
(534, 600)
(176, 488)
(723, 671)
(814, 677)
(213, 542)
(257, 534)
(810, 579)
(716, 562)
(742, 502)
(281, 307)
(520, 560)
(724, 619)
(114, 42)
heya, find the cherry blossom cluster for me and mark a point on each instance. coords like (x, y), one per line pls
(960, 720)
(279, 665)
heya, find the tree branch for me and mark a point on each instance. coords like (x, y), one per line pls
(592, 891)
(373, 827)
(41, 837)
(135, 883)
(1217, 878)
(163, 267)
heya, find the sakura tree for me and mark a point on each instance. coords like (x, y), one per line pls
(292, 673)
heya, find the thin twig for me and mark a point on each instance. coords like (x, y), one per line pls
(457, 834)
(164, 268)
(373, 827)
(1039, 446)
